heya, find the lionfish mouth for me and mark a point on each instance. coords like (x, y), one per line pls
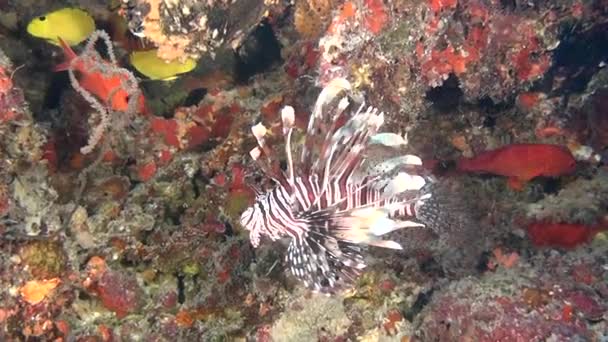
(335, 200)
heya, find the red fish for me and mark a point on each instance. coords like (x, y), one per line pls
(522, 162)
(564, 235)
(98, 84)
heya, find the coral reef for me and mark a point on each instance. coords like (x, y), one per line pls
(581, 201)
(539, 303)
(127, 227)
(319, 317)
(191, 29)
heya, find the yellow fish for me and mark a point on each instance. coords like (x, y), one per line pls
(73, 25)
(155, 68)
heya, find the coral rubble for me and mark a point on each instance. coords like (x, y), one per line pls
(125, 227)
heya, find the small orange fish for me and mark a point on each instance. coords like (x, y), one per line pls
(521, 162)
(98, 84)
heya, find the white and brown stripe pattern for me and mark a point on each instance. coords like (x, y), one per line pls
(330, 207)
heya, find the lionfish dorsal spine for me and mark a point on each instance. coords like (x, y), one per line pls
(264, 157)
(318, 119)
(288, 119)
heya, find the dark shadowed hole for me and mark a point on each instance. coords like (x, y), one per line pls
(551, 186)
(181, 289)
(446, 97)
(421, 301)
(482, 265)
(60, 81)
(195, 96)
(229, 230)
(491, 108)
(489, 121)
(195, 187)
(258, 53)
(508, 5)
(431, 267)
(443, 167)
(578, 56)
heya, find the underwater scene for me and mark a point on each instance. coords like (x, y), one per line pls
(304, 170)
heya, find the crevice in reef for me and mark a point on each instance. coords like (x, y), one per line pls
(258, 53)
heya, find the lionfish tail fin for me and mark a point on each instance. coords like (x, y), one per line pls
(445, 213)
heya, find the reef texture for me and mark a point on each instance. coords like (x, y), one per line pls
(189, 29)
(139, 239)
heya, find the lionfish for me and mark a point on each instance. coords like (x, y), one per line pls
(337, 199)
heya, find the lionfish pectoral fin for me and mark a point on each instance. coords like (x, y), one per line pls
(330, 251)
(390, 225)
(377, 221)
(387, 244)
(358, 226)
(322, 262)
(408, 159)
(407, 163)
(402, 182)
(412, 224)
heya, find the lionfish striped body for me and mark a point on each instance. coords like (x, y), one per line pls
(337, 200)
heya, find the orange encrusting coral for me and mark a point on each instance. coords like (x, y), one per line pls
(511, 46)
(146, 171)
(438, 5)
(438, 64)
(10, 100)
(446, 61)
(506, 260)
(530, 68)
(167, 128)
(528, 100)
(377, 17)
(521, 162)
(35, 291)
(189, 128)
(184, 319)
(373, 16)
(349, 10)
(6, 83)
